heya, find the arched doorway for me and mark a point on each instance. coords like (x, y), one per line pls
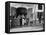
(22, 12)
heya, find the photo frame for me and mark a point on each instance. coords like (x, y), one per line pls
(21, 17)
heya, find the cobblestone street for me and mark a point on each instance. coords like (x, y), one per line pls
(29, 28)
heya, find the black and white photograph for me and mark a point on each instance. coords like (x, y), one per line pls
(25, 17)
